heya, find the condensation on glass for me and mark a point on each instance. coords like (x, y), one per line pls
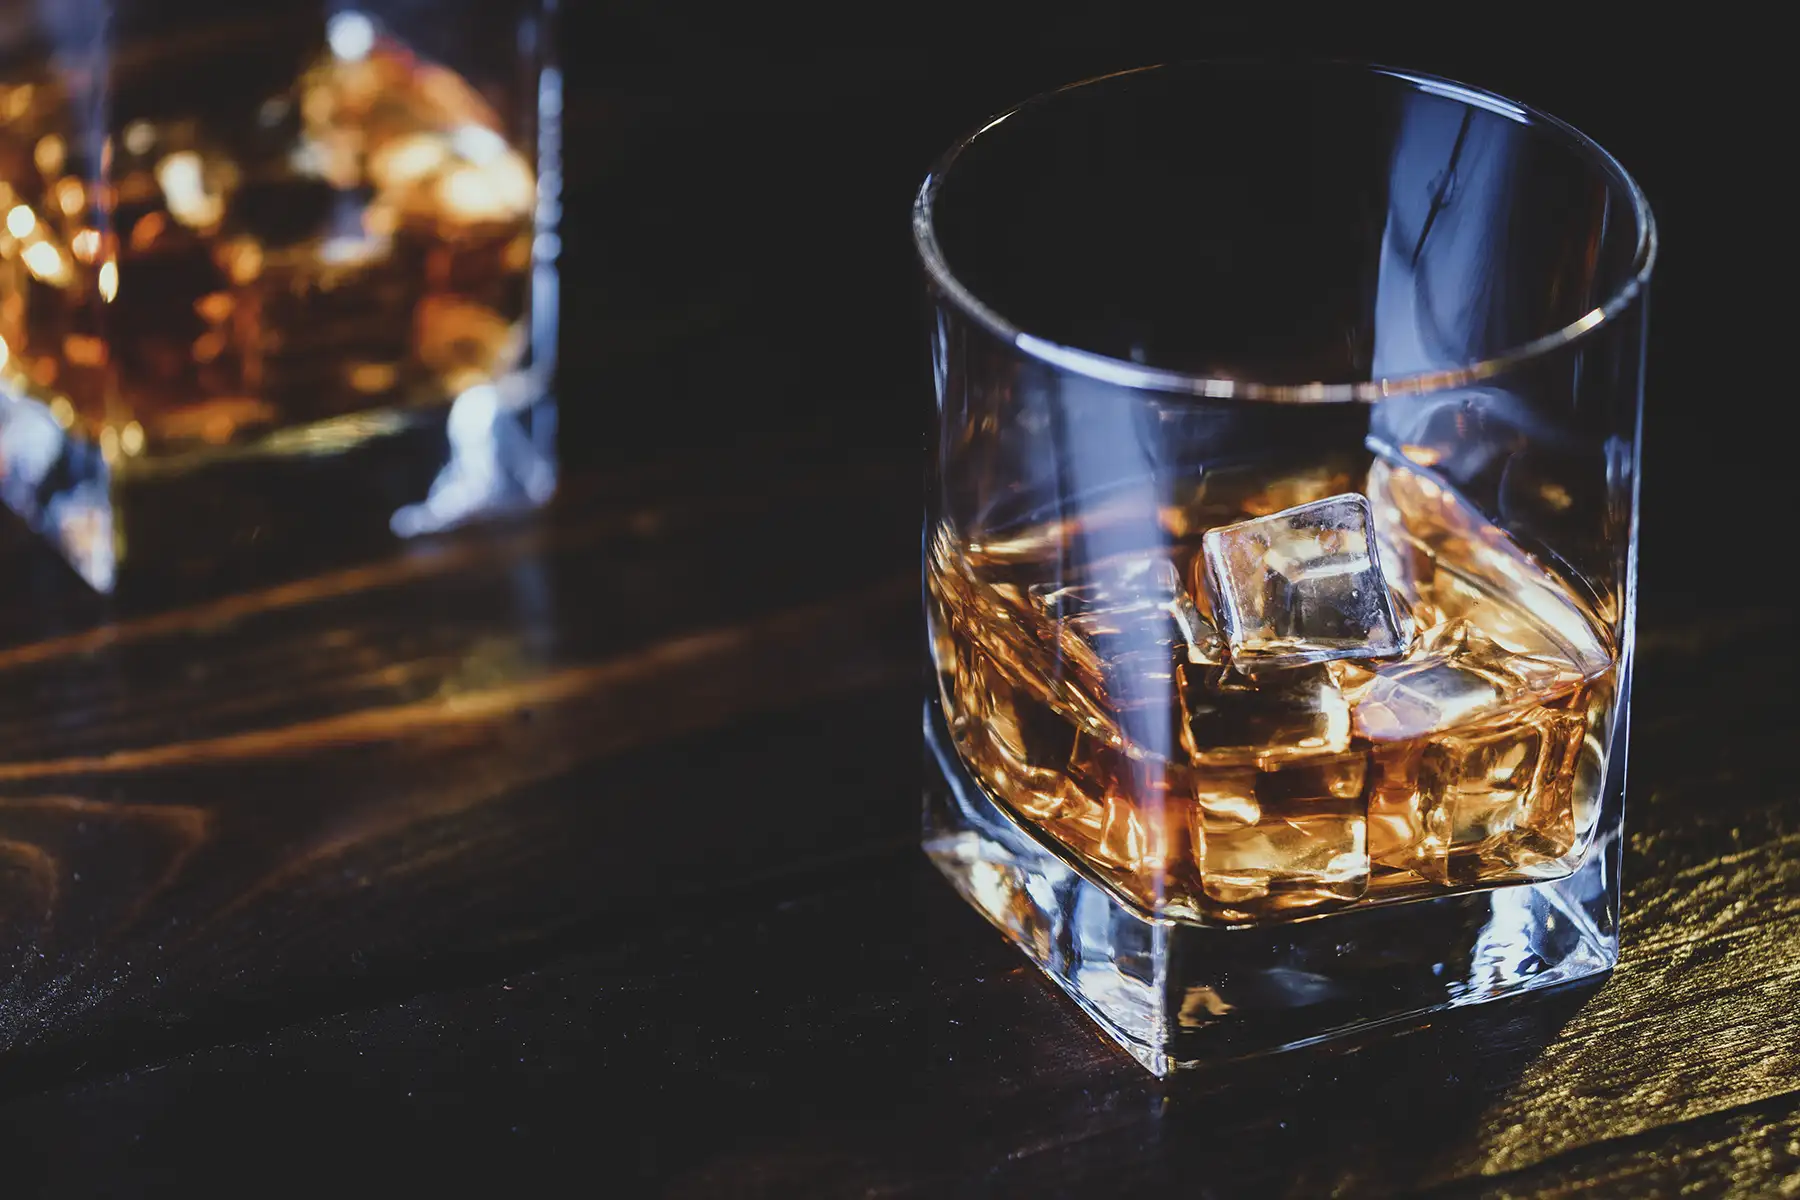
(1279, 546)
(268, 267)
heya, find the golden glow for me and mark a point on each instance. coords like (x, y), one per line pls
(180, 176)
(373, 378)
(46, 262)
(1227, 801)
(214, 307)
(478, 144)
(49, 155)
(243, 260)
(1273, 831)
(150, 226)
(465, 193)
(335, 434)
(379, 221)
(407, 159)
(140, 136)
(498, 191)
(316, 104)
(1198, 1001)
(209, 345)
(183, 180)
(84, 350)
(170, 208)
(218, 429)
(215, 419)
(109, 444)
(71, 197)
(16, 102)
(1425, 456)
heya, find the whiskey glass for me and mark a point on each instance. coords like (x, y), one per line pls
(1280, 546)
(275, 279)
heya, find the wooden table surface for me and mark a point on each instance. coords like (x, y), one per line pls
(583, 847)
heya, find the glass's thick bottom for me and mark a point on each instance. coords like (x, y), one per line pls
(1177, 994)
(306, 496)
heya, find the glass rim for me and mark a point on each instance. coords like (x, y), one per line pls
(1123, 373)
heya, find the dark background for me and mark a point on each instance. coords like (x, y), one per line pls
(745, 174)
(510, 996)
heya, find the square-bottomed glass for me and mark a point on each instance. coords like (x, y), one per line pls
(277, 281)
(1280, 546)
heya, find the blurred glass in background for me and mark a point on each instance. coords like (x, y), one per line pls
(274, 279)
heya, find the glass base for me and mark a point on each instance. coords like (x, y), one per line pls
(303, 497)
(1177, 994)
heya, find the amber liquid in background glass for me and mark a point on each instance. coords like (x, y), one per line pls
(358, 242)
(1205, 792)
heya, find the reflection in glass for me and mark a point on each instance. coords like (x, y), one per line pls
(1278, 545)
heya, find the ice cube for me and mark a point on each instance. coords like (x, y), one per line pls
(1471, 806)
(1123, 636)
(1303, 586)
(1456, 674)
(1230, 719)
(1286, 838)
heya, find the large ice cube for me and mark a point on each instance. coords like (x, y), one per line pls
(1303, 586)
(1228, 719)
(1487, 802)
(1456, 674)
(1286, 838)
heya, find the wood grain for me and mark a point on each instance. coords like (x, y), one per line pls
(849, 1027)
(583, 847)
(177, 834)
(1744, 1149)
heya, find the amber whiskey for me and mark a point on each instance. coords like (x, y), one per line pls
(263, 246)
(1216, 766)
